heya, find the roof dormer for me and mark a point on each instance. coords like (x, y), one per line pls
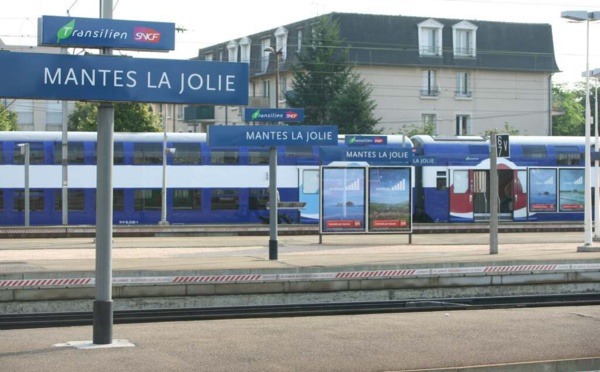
(430, 38)
(464, 40)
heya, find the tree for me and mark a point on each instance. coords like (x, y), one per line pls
(414, 129)
(8, 119)
(571, 120)
(325, 86)
(506, 130)
(352, 108)
(129, 117)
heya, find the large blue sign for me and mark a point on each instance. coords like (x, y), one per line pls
(267, 114)
(272, 135)
(371, 155)
(112, 78)
(105, 33)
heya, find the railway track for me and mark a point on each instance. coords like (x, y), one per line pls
(254, 230)
(67, 319)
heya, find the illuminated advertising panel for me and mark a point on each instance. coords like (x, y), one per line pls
(542, 190)
(571, 190)
(343, 200)
(390, 200)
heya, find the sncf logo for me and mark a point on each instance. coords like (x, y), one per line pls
(146, 35)
(291, 115)
(378, 140)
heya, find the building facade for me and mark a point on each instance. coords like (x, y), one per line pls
(462, 77)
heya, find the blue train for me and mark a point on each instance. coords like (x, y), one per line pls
(542, 180)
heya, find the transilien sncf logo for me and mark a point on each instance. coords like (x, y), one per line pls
(65, 31)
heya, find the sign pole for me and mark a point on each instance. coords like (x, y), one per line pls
(103, 304)
(493, 195)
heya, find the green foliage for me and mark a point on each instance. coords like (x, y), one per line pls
(8, 119)
(414, 129)
(325, 86)
(352, 108)
(506, 130)
(129, 117)
(570, 118)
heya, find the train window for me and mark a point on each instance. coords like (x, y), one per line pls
(534, 151)
(36, 200)
(461, 181)
(1, 153)
(187, 153)
(118, 153)
(259, 198)
(310, 181)
(147, 200)
(256, 156)
(1, 200)
(224, 156)
(187, 199)
(441, 180)
(224, 199)
(76, 153)
(147, 153)
(299, 152)
(118, 200)
(76, 200)
(36, 154)
(568, 155)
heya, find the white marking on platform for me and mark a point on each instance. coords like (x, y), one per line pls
(82, 345)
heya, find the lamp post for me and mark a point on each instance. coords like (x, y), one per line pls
(273, 170)
(25, 151)
(587, 17)
(596, 73)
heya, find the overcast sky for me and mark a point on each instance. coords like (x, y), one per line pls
(211, 22)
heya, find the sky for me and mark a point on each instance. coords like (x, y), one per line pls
(212, 22)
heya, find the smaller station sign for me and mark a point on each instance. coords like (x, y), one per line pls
(272, 135)
(365, 140)
(269, 115)
(105, 33)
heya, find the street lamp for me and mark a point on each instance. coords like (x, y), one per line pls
(587, 17)
(273, 169)
(596, 73)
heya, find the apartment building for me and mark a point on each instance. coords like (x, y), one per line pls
(461, 76)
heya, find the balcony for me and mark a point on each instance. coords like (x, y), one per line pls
(430, 92)
(259, 102)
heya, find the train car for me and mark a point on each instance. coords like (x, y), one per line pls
(204, 184)
(542, 180)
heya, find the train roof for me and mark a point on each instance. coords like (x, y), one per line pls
(91, 136)
(421, 140)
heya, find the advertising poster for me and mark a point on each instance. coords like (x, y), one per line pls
(343, 200)
(542, 190)
(571, 190)
(389, 200)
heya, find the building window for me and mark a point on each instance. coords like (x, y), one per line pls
(54, 115)
(430, 38)
(463, 84)
(281, 36)
(264, 60)
(208, 57)
(463, 125)
(266, 88)
(429, 121)
(282, 87)
(232, 51)
(430, 87)
(24, 110)
(299, 45)
(464, 39)
(245, 44)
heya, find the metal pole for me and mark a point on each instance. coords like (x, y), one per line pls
(587, 184)
(25, 151)
(65, 160)
(597, 191)
(273, 249)
(103, 304)
(493, 195)
(163, 193)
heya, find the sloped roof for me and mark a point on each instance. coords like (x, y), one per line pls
(387, 40)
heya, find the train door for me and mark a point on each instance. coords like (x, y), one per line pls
(481, 195)
(308, 192)
(461, 196)
(520, 195)
(506, 193)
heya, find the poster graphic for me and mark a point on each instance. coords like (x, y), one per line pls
(542, 190)
(571, 190)
(343, 199)
(389, 200)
